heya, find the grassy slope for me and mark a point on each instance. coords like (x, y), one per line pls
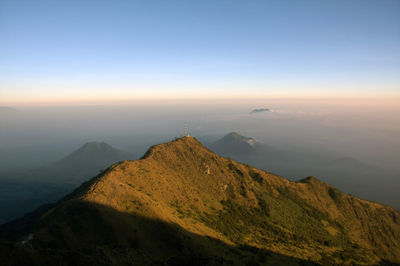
(183, 202)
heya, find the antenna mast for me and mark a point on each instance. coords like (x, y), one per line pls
(186, 129)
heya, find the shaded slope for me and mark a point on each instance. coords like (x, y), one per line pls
(93, 234)
(181, 202)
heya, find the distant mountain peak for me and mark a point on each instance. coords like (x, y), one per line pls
(96, 143)
(94, 153)
(234, 135)
(96, 146)
(239, 137)
(234, 142)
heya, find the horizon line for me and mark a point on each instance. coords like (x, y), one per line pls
(200, 100)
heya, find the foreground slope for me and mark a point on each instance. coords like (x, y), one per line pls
(183, 204)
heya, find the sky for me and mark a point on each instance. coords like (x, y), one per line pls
(100, 51)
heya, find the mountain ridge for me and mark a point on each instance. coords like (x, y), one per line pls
(202, 199)
(343, 171)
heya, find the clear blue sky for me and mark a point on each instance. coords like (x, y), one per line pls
(78, 50)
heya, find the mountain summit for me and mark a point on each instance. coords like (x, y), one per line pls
(183, 204)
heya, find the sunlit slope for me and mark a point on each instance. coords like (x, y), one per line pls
(181, 203)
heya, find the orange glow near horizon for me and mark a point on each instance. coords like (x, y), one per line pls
(126, 97)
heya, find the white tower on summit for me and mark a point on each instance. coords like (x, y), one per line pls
(186, 129)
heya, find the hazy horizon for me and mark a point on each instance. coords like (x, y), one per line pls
(358, 126)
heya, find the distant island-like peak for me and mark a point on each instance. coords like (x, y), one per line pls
(260, 110)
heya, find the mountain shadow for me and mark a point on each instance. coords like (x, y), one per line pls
(132, 240)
